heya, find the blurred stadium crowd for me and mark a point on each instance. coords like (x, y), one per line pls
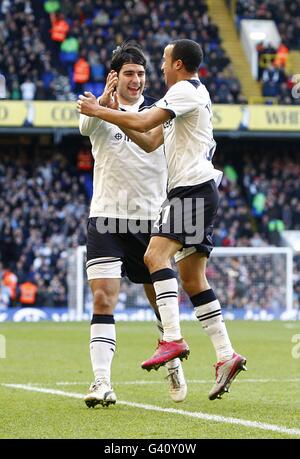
(45, 199)
(286, 14)
(55, 49)
(276, 79)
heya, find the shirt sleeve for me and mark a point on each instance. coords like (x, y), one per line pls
(87, 124)
(180, 99)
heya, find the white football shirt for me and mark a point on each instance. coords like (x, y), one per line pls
(188, 136)
(128, 182)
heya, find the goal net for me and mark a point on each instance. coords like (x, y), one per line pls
(251, 283)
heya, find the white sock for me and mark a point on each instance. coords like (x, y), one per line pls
(210, 316)
(160, 328)
(166, 289)
(102, 348)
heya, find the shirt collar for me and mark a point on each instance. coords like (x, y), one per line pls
(133, 108)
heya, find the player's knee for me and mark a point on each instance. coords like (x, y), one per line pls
(194, 286)
(148, 258)
(152, 259)
(155, 259)
(103, 302)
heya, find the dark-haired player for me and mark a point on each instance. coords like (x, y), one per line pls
(128, 189)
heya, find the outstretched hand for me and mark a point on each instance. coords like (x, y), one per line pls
(109, 97)
(87, 104)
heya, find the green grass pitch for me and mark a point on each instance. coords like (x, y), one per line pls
(55, 357)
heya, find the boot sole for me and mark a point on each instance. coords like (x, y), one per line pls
(94, 402)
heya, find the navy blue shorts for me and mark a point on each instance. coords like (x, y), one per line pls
(187, 216)
(119, 246)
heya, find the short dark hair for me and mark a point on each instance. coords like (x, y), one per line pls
(128, 52)
(189, 52)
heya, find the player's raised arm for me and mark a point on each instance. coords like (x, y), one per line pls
(141, 122)
(88, 124)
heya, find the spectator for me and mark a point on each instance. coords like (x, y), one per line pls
(281, 56)
(60, 27)
(28, 293)
(28, 89)
(69, 51)
(10, 280)
(276, 227)
(51, 6)
(84, 160)
(2, 87)
(15, 91)
(81, 74)
(4, 296)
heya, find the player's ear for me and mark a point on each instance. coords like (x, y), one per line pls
(179, 64)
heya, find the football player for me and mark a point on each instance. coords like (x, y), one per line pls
(128, 188)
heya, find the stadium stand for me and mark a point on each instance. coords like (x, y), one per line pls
(44, 206)
(277, 80)
(56, 49)
(45, 198)
(285, 13)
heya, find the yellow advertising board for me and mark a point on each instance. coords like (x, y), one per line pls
(256, 117)
(38, 114)
(12, 113)
(57, 114)
(274, 118)
(227, 117)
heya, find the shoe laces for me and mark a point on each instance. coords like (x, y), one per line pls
(173, 377)
(99, 382)
(159, 344)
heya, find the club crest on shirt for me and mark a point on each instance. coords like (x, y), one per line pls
(119, 136)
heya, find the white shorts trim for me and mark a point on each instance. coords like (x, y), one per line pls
(185, 252)
(104, 268)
